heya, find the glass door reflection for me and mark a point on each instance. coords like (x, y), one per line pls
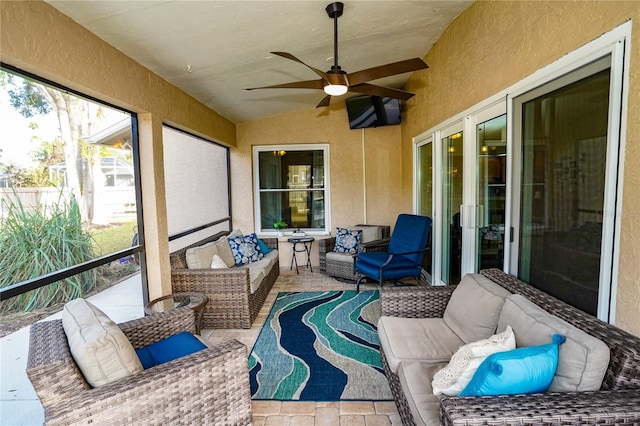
(451, 260)
(424, 195)
(491, 192)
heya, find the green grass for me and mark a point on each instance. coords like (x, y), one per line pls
(113, 238)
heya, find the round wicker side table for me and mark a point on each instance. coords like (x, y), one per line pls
(196, 301)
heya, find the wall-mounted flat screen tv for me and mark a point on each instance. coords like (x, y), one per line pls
(372, 111)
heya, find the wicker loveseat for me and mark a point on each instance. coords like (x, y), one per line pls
(232, 301)
(616, 402)
(206, 387)
(340, 265)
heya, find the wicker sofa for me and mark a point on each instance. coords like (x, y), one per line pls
(234, 302)
(340, 265)
(207, 387)
(617, 401)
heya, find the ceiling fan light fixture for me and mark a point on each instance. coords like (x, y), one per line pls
(335, 89)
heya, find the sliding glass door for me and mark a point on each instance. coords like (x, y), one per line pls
(424, 193)
(567, 170)
(466, 195)
(530, 181)
(491, 191)
(452, 150)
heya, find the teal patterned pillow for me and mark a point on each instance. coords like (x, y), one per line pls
(245, 249)
(347, 241)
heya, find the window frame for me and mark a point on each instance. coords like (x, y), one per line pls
(324, 147)
(139, 249)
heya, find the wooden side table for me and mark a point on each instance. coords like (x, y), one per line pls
(196, 301)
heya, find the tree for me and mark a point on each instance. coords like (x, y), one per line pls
(75, 117)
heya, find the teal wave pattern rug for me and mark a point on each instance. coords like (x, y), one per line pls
(320, 346)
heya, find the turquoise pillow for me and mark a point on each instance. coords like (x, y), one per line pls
(165, 350)
(522, 370)
(263, 247)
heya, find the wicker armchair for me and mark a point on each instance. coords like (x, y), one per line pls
(207, 387)
(345, 270)
(231, 302)
(617, 401)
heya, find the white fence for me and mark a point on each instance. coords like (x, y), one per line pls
(116, 201)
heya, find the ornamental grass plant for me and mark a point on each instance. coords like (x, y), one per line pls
(41, 240)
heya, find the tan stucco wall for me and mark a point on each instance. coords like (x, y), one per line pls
(489, 47)
(327, 126)
(38, 39)
(493, 45)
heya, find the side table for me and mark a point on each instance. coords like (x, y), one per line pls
(306, 242)
(196, 301)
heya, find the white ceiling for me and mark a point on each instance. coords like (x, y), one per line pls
(226, 44)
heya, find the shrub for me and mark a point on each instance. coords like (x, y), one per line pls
(38, 241)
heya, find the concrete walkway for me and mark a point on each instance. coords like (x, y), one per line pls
(19, 404)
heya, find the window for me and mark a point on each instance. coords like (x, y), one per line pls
(69, 194)
(291, 184)
(196, 173)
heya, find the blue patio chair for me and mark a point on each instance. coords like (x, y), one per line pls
(405, 253)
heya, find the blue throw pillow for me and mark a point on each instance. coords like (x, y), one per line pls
(168, 349)
(522, 370)
(347, 241)
(245, 249)
(265, 248)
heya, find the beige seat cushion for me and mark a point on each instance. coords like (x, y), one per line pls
(474, 308)
(582, 359)
(256, 277)
(272, 257)
(340, 257)
(415, 381)
(427, 340)
(262, 268)
(201, 257)
(100, 349)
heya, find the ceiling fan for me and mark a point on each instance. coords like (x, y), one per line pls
(336, 81)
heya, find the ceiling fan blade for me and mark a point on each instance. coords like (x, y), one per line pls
(387, 70)
(370, 89)
(308, 84)
(293, 58)
(324, 102)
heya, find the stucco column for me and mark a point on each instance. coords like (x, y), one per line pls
(156, 236)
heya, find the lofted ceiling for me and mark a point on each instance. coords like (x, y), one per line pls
(213, 50)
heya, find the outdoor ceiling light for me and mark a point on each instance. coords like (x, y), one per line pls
(335, 89)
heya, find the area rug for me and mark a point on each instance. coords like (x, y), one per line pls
(320, 346)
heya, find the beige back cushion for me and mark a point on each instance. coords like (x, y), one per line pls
(224, 249)
(474, 308)
(200, 257)
(582, 359)
(100, 349)
(369, 233)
